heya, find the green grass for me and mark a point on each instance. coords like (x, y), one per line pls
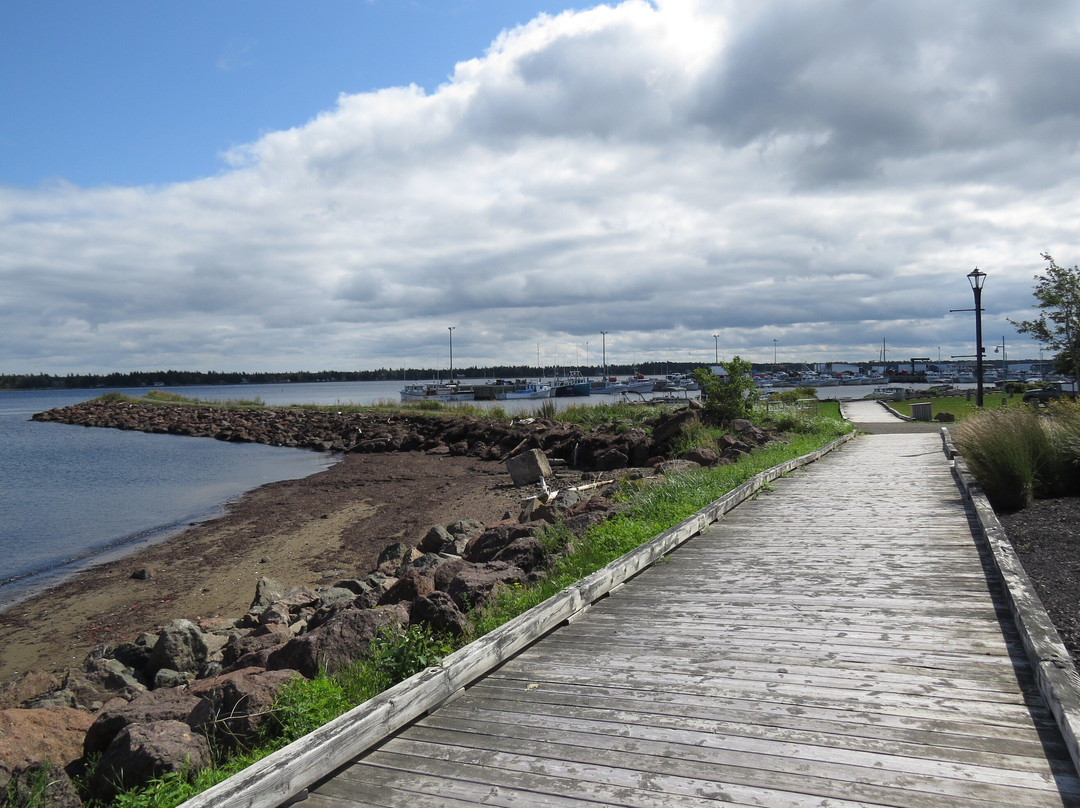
(959, 406)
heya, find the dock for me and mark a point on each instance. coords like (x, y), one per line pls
(844, 638)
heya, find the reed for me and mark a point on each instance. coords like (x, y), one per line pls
(1014, 453)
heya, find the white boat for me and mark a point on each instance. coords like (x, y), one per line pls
(437, 392)
(635, 384)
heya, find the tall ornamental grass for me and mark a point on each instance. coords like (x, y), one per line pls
(1019, 454)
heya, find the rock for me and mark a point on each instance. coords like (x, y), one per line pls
(334, 594)
(670, 427)
(475, 584)
(411, 585)
(528, 467)
(61, 697)
(702, 456)
(747, 430)
(172, 704)
(140, 752)
(244, 651)
(488, 544)
(134, 655)
(166, 678)
(396, 553)
(180, 646)
(526, 553)
(438, 611)
(354, 585)
(235, 705)
(267, 590)
(465, 528)
(343, 638)
(39, 784)
(142, 574)
(610, 460)
(27, 686)
(447, 572)
(32, 737)
(101, 680)
(436, 538)
(945, 417)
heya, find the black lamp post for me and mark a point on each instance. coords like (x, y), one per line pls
(977, 279)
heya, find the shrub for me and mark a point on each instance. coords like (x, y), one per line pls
(1012, 454)
(731, 397)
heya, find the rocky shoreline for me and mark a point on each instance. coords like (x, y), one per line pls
(147, 703)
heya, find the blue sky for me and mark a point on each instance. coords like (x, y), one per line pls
(272, 186)
(136, 92)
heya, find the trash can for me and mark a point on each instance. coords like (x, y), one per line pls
(921, 411)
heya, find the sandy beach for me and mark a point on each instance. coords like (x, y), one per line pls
(314, 530)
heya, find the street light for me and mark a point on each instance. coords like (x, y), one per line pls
(451, 327)
(774, 354)
(716, 339)
(603, 344)
(977, 279)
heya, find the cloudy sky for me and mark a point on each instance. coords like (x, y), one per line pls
(281, 185)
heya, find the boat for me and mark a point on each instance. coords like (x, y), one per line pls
(676, 382)
(637, 383)
(573, 385)
(437, 392)
(526, 392)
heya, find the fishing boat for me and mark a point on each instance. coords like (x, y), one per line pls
(437, 392)
(526, 392)
(573, 385)
(637, 383)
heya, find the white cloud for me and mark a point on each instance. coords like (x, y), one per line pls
(820, 174)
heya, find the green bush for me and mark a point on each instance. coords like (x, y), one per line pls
(730, 397)
(1016, 454)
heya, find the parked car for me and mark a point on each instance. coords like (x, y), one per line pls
(1044, 395)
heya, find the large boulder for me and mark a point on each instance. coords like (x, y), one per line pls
(475, 584)
(29, 738)
(528, 467)
(172, 704)
(411, 585)
(438, 611)
(181, 646)
(670, 427)
(140, 752)
(235, 705)
(252, 650)
(343, 638)
(488, 545)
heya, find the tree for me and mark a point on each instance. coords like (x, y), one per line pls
(1058, 294)
(728, 398)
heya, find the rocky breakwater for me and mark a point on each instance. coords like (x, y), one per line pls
(605, 448)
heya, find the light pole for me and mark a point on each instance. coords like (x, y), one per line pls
(1004, 361)
(774, 354)
(977, 279)
(451, 327)
(603, 345)
(716, 339)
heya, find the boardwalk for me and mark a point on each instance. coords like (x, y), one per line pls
(834, 642)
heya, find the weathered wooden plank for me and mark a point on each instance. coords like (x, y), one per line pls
(883, 767)
(697, 775)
